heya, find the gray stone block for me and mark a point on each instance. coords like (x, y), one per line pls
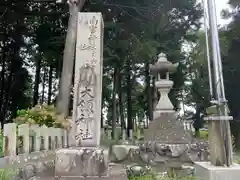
(82, 162)
(206, 171)
(166, 129)
(116, 172)
(29, 171)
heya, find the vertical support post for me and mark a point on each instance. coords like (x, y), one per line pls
(59, 137)
(37, 137)
(219, 128)
(52, 134)
(10, 139)
(65, 138)
(109, 133)
(23, 130)
(45, 135)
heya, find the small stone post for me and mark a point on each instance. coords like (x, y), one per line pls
(37, 138)
(10, 139)
(45, 134)
(23, 131)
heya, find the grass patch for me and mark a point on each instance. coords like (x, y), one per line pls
(236, 158)
(7, 174)
(203, 134)
(161, 178)
(1, 145)
(141, 178)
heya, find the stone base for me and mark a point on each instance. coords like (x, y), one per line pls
(166, 129)
(116, 172)
(206, 171)
(82, 162)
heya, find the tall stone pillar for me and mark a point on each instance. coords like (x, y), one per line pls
(85, 159)
(88, 80)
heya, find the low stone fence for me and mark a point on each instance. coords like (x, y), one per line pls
(30, 148)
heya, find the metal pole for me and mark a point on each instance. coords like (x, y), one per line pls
(206, 28)
(214, 38)
(223, 127)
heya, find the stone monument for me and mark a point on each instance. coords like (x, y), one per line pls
(166, 143)
(165, 127)
(85, 159)
(165, 137)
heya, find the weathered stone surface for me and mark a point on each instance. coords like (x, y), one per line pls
(166, 129)
(163, 83)
(207, 171)
(156, 154)
(28, 171)
(40, 166)
(167, 153)
(116, 172)
(137, 170)
(86, 129)
(81, 162)
(187, 170)
(34, 178)
(121, 152)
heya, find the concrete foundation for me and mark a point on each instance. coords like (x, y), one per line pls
(206, 171)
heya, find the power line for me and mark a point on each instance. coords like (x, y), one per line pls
(137, 9)
(3, 13)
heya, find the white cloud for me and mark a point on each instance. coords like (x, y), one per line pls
(220, 5)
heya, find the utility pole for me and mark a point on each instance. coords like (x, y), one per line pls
(219, 128)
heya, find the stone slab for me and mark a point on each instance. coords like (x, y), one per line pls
(87, 95)
(116, 172)
(206, 171)
(82, 162)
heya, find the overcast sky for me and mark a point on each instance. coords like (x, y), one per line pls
(221, 4)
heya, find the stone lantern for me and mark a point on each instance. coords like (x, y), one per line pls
(161, 70)
(165, 127)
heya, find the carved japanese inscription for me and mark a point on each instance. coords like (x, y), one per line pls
(88, 82)
(91, 45)
(85, 96)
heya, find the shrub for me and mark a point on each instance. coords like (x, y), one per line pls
(203, 134)
(42, 115)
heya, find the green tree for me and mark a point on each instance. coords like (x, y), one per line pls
(135, 32)
(133, 39)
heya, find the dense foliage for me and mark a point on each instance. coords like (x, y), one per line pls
(198, 89)
(42, 115)
(135, 32)
(32, 36)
